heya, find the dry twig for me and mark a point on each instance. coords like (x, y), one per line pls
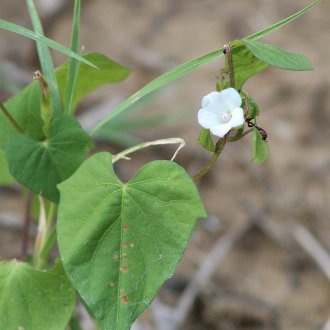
(175, 318)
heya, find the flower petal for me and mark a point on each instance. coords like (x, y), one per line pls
(231, 98)
(213, 102)
(220, 130)
(207, 119)
(237, 118)
(209, 98)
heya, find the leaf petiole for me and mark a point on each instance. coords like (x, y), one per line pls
(11, 118)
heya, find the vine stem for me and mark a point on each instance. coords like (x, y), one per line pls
(229, 58)
(123, 154)
(11, 118)
(45, 236)
(209, 165)
(26, 225)
(41, 233)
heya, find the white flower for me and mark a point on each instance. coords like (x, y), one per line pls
(221, 111)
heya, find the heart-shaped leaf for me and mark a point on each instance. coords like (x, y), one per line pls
(89, 79)
(33, 299)
(5, 177)
(25, 106)
(119, 242)
(40, 166)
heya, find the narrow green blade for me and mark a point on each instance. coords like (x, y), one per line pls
(278, 57)
(46, 61)
(73, 64)
(188, 67)
(279, 24)
(40, 38)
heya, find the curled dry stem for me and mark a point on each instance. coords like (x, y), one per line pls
(123, 154)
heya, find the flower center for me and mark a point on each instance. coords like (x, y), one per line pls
(225, 116)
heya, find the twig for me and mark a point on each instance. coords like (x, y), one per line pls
(327, 325)
(311, 245)
(205, 272)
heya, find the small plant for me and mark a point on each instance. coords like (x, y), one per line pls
(118, 242)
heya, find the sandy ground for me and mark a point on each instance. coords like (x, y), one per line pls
(266, 281)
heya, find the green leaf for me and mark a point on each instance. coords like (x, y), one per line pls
(119, 242)
(205, 140)
(33, 299)
(38, 37)
(260, 149)
(278, 57)
(253, 107)
(73, 64)
(46, 61)
(245, 63)
(188, 67)
(88, 79)
(40, 166)
(25, 106)
(5, 177)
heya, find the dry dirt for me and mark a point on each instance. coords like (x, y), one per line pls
(266, 281)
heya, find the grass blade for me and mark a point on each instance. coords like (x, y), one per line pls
(188, 67)
(73, 64)
(278, 25)
(40, 38)
(46, 61)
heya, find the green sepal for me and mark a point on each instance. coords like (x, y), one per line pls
(205, 140)
(252, 106)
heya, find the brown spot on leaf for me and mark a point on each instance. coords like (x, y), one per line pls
(125, 244)
(124, 269)
(125, 227)
(124, 299)
(125, 260)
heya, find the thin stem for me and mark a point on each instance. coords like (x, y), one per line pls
(240, 136)
(45, 237)
(41, 233)
(246, 132)
(209, 165)
(229, 58)
(123, 154)
(11, 118)
(26, 225)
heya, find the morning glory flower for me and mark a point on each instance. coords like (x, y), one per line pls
(221, 111)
